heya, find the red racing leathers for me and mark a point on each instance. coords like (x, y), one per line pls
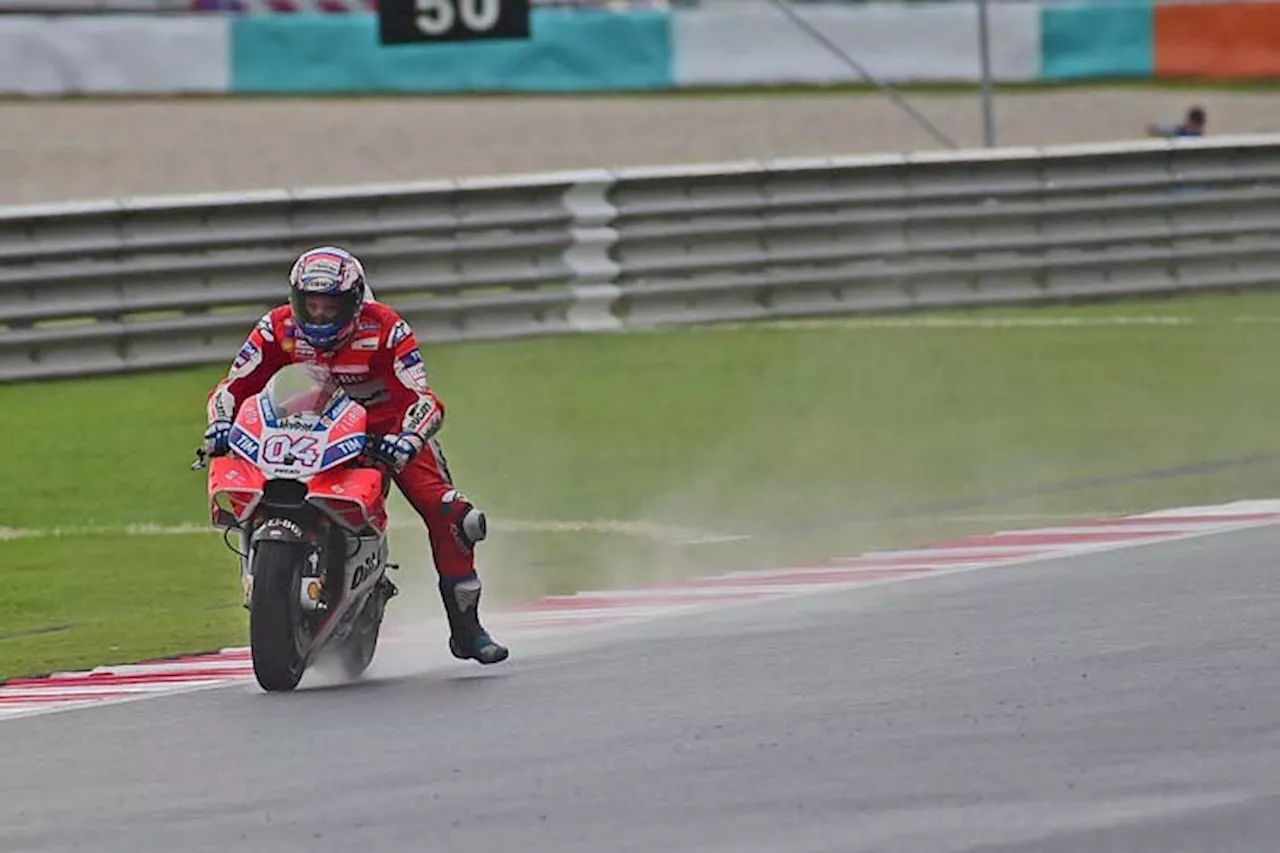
(381, 367)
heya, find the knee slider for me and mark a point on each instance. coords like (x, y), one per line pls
(474, 527)
(471, 527)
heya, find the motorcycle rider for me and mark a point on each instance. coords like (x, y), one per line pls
(332, 319)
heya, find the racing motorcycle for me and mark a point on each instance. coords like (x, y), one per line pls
(310, 511)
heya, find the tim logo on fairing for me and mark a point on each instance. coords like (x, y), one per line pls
(245, 443)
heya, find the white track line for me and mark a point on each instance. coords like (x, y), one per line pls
(640, 529)
(635, 528)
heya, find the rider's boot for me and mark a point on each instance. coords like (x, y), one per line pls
(467, 639)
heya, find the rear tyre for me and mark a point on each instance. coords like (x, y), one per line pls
(274, 616)
(357, 652)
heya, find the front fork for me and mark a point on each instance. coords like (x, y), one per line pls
(316, 576)
(246, 578)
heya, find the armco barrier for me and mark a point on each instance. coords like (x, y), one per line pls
(108, 287)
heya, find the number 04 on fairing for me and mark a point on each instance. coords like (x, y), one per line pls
(312, 524)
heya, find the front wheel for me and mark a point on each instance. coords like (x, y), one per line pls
(274, 616)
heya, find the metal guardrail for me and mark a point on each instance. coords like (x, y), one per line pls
(137, 284)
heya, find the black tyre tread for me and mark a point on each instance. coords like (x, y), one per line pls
(276, 662)
(357, 652)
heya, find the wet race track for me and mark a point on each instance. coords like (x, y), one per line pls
(1124, 700)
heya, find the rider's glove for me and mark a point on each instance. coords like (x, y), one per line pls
(398, 451)
(217, 438)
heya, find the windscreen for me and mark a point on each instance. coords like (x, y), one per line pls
(302, 390)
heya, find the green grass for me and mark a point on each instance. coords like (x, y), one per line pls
(812, 439)
(80, 601)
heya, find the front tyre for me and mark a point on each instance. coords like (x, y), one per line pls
(275, 617)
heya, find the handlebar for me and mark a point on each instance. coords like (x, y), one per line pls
(366, 458)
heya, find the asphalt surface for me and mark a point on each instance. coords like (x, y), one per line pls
(1121, 701)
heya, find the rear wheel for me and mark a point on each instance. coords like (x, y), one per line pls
(276, 636)
(357, 652)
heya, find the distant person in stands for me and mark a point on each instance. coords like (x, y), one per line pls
(1193, 125)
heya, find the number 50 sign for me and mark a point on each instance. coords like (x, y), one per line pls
(409, 21)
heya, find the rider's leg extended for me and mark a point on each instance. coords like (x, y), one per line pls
(454, 528)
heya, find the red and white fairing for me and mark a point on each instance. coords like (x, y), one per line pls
(308, 439)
